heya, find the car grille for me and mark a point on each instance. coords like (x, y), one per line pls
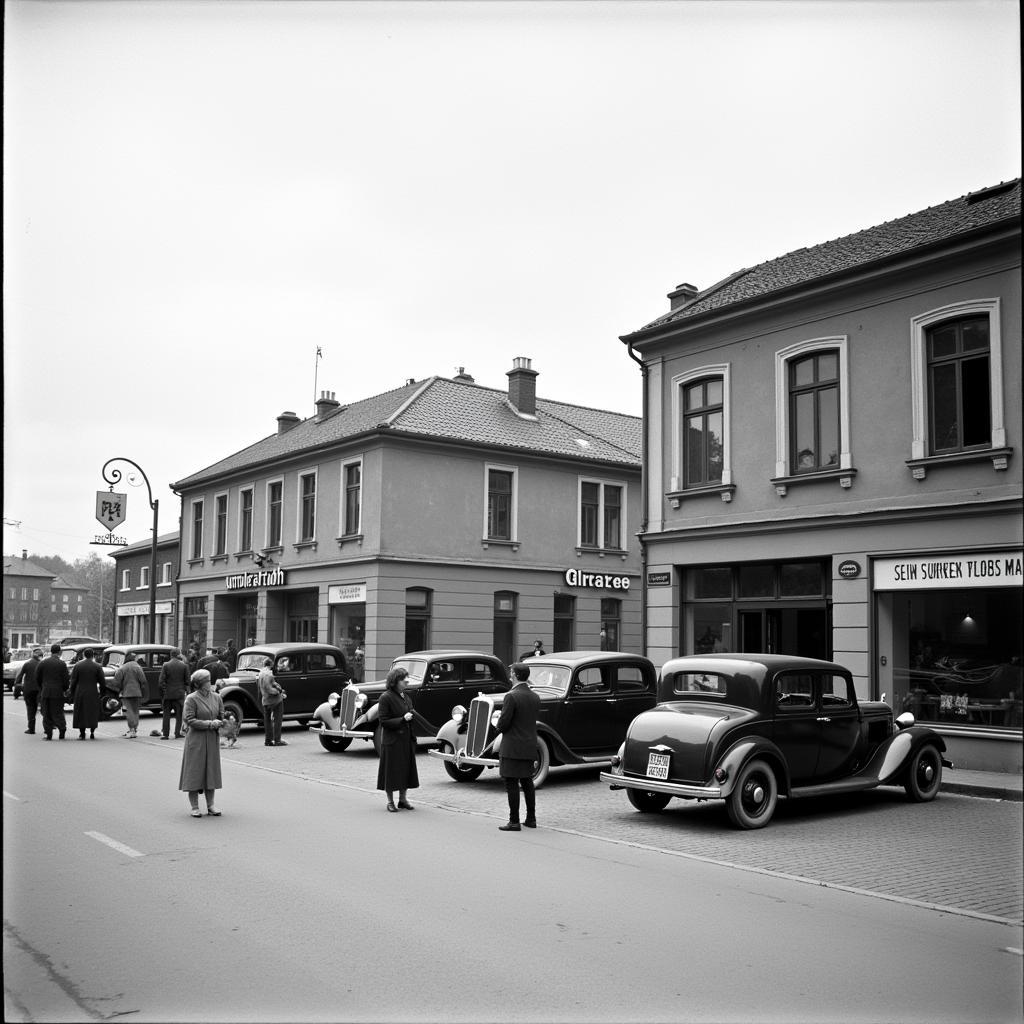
(479, 725)
(348, 706)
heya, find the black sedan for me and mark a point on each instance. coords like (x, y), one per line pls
(748, 728)
(588, 698)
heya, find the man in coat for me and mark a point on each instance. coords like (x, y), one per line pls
(231, 656)
(518, 751)
(29, 685)
(54, 679)
(174, 683)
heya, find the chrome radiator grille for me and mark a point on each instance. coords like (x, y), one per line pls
(479, 725)
(348, 706)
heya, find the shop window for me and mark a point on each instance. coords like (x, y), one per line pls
(352, 476)
(800, 579)
(506, 610)
(220, 524)
(307, 507)
(611, 623)
(195, 621)
(197, 529)
(601, 515)
(418, 601)
(756, 581)
(245, 510)
(500, 521)
(563, 633)
(710, 583)
(275, 510)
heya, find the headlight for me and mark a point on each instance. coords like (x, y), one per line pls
(458, 713)
(333, 698)
(494, 719)
(361, 700)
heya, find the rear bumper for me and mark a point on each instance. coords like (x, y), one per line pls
(656, 786)
(460, 757)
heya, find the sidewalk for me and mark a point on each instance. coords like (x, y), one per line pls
(995, 785)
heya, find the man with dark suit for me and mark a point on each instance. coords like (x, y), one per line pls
(53, 679)
(174, 680)
(29, 686)
(517, 754)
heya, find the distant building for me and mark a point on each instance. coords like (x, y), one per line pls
(438, 514)
(69, 610)
(26, 601)
(132, 590)
(835, 468)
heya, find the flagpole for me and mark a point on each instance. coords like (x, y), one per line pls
(316, 368)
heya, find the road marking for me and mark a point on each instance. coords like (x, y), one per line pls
(1015, 952)
(115, 845)
(11, 796)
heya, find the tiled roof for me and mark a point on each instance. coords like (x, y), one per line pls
(14, 565)
(162, 540)
(456, 411)
(63, 583)
(984, 208)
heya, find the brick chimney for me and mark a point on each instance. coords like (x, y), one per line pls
(683, 294)
(522, 386)
(464, 378)
(285, 422)
(325, 405)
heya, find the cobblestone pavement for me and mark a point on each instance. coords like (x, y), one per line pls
(961, 854)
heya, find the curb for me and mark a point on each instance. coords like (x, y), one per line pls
(990, 792)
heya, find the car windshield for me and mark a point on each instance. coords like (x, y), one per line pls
(700, 684)
(550, 677)
(416, 668)
(250, 662)
(115, 659)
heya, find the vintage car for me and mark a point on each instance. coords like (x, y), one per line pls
(71, 654)
(749, 728)
(150, 657)
(307, 672)
(438, 681)
(588, 698)
(11, 668)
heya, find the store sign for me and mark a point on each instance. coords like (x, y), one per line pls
(950, 572)
(161, 608)
(111, 509)
(595, 580)
(346, 593)
(249, 580)
(849, 569)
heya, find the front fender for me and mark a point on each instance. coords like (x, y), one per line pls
(747, 749)
(890, 761)
(368, 719)
(451, 732)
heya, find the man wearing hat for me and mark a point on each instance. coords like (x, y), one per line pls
(30, 687)
(54, 679)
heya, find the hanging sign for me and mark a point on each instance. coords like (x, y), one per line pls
(111, 509)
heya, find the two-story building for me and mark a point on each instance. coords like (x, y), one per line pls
(26, 601)
(132, 596)
(69, 609)
(438, 514)
(834, 466)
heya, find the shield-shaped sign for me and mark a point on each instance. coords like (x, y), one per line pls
(111, 509)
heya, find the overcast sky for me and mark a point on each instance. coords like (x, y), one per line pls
(198, 195)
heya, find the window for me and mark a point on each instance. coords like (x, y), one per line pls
(500, 523)
(143, 577)
(611, 623)
(563, 632)
(220, 540)
(307, 507)
(814, 413)
(352, 477)
(245, 507)
(165, 574)
(417, 619)
(506, 609)
(126, 579)
(702, 433)
(197, 529)
(275, 502)
(601, 515)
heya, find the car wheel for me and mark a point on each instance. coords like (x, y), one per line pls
(924, 775)
(542, 766)
(752, 803)
(647, 801)
(461, 773)
(335, 744)
(232, 707)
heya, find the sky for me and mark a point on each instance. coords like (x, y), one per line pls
(200, 195)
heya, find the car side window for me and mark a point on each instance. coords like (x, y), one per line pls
(143, 660)
(794, 691)
(443, 672)
(287, 663)
(835, 692)
(479, 672)
(591, 681)
(629, 679)
(321, 661)
(160, 659)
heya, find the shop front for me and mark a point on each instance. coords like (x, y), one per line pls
(347, 624)
(133, 623)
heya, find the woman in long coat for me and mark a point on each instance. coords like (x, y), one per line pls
(86, 690)
(397, 742)
(200, 760)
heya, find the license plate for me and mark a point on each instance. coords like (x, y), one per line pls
(657, 766)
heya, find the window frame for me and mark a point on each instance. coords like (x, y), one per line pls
(246, 518)
(143, 578)
(346, 528)
(513, 512)
(272, 541)
(302, 501)
(221, 508)
(602, 483)
(126, 580)
(815, 389)
(196, 528)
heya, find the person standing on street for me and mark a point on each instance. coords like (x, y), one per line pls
(53, 679)
(30, 687)
(174, 677)
(200, 758)
(231, 656)
(86, 690)
(517, 754)
(130, 683)
(218, 669)
(397, 768)
(272, 698)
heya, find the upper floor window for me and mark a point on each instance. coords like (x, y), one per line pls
(307, 506)
(500, 522)
(143, 576)
(814, 413)
(601, 515)
(35, 593)
(197, 529)
(702, 432)
(352, 476)
(165, 574)
(275, 506)
(220, 543)
(959, 407)
(126, 579)
(245, 507)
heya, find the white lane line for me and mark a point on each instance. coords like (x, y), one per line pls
(115, 845)
(11, 796)
(1015, 952)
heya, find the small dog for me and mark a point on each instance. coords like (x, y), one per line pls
(229, 730)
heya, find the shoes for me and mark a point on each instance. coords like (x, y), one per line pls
(47, 737)
(127, 735)
(196, 813)
(81, 736)
(267, 743)
(213, 813)
(280, 743)
(392, 807)
(92, 735)
(61, 736)
(405, 805)
(512, 826)
(165, 737)
(530, 823)
(177, 735)
(30, 732)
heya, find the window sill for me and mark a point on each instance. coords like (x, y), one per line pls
(304, 545)
(1000, 460)
(725, 491)
(488, 541)
(193, 562)
(350, 538)
(239, 555)
(602, 552)
(214, 559)
(844, 476)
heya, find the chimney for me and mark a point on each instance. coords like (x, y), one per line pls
(325, 405)
(522, 386)
(24, 554)
(285, 422)
(464, 378)
(683, 294)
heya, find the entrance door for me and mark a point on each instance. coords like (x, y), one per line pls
(302, 631)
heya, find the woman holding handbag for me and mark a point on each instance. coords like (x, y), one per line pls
(200, 760)
(397, 741)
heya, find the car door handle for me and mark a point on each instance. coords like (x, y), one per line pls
(824, 719)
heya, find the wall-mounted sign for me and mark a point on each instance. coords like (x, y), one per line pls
(110, 541)
(595, 580)
(848, 569)
(346, 593)
(111, 509)
(161, 608)
(950, 572)
(248, 580)
(659, 579)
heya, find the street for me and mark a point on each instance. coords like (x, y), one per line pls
(306, 901)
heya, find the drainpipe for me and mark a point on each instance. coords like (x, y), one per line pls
(641, 535)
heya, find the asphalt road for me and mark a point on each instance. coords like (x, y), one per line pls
(307, 901)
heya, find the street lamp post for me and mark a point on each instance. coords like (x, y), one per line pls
(154, 504)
